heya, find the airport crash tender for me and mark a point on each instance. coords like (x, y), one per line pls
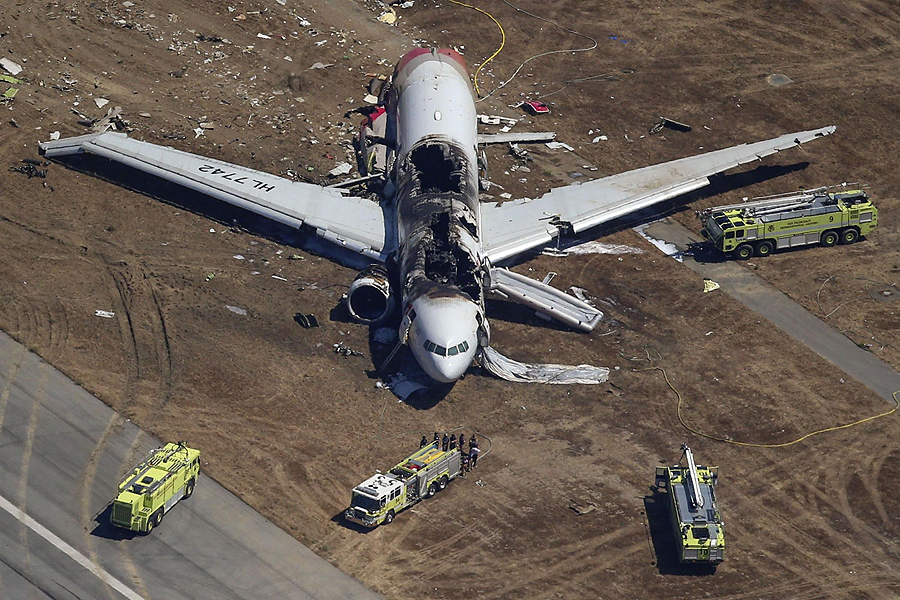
(379, 498)
(167, 475)
(690, 492)
(786, 220)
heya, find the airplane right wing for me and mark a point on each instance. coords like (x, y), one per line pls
(357, 224)
(511, 228)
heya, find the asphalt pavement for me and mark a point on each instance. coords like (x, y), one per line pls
(752, 291)
(61, 453)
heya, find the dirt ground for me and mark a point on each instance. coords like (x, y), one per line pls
(291, 427)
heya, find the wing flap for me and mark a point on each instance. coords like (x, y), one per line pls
(510, 228)
(354, 223)
(545, 299)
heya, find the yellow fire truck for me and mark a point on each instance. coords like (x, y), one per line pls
(764, 224)
(699, 530)
(380, 497)
(164, 477)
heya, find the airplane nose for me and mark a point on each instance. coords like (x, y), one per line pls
(449, 370)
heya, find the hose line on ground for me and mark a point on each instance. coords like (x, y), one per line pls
(502, 39)
(754, 445)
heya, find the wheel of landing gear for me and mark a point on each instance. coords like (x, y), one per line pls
(849, 235)
(743, 252)
(764, 249)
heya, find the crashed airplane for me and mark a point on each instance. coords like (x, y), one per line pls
(441, 243)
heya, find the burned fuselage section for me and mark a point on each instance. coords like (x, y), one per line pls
(437, 214)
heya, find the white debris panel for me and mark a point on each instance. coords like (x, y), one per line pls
(511, 370)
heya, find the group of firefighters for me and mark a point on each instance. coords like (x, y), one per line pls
(469, 460)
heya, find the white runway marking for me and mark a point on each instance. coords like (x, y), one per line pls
(74, 554)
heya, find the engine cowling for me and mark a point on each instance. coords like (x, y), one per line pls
(370, 298)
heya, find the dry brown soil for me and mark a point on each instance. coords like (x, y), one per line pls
(290, 426)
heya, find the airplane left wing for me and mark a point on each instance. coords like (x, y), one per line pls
(354, 223)
(511, 228)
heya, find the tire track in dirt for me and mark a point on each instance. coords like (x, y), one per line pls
(10, 377)
(87, 479)
(130, 458)
(26, 460)
(801, 543)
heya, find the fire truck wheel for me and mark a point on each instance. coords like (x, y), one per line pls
(743, 252)
(149, 527)
(829, 238)
(432, 490)
(389, 518)
(159, 517)
(442, 483)
(849, 235)
(764, 248)
(189, 488)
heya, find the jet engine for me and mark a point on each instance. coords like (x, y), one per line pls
(370, 298)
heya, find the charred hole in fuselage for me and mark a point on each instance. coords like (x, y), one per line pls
(368, 303)
(437, 171)
(447, 262)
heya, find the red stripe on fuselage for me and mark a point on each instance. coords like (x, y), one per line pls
(449, 52)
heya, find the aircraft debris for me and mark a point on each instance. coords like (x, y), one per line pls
(306, 320)
(535, 107)
(106, 314)
(101, 102)
(341, 169)
(371, 99)
(582, 509)
(236, 310)
(529, 136)
(511, 370)
(319, 65)
(279, 278)
(709, 285)
(30, 168)
(559, 145)
(341, 348)
(54, 135)
(10, 66)
(494, 120)
(599, 138)
(778, 79)
(669, 124)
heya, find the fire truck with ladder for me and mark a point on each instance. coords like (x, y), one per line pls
(154, 486)
(787, 220)
(690, 492)
(423, 474)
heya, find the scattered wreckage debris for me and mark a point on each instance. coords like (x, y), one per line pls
(709, 285)
(520, 153)
(30, 168)
(11, 67)
(306, 320)
(582, 509)
(669, 124)
(535, 107)
(341, 348)
(778, 79)
(105, 314)
(528, 136)
(11, 92)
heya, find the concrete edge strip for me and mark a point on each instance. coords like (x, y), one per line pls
(68, 550)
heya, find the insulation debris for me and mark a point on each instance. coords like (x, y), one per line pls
(10, 66)
(511, 370)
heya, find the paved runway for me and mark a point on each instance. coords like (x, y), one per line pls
(61, 453)
(752, 291)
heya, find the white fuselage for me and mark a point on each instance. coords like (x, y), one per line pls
(432, 127)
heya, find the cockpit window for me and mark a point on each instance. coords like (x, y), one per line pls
(441, 351)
